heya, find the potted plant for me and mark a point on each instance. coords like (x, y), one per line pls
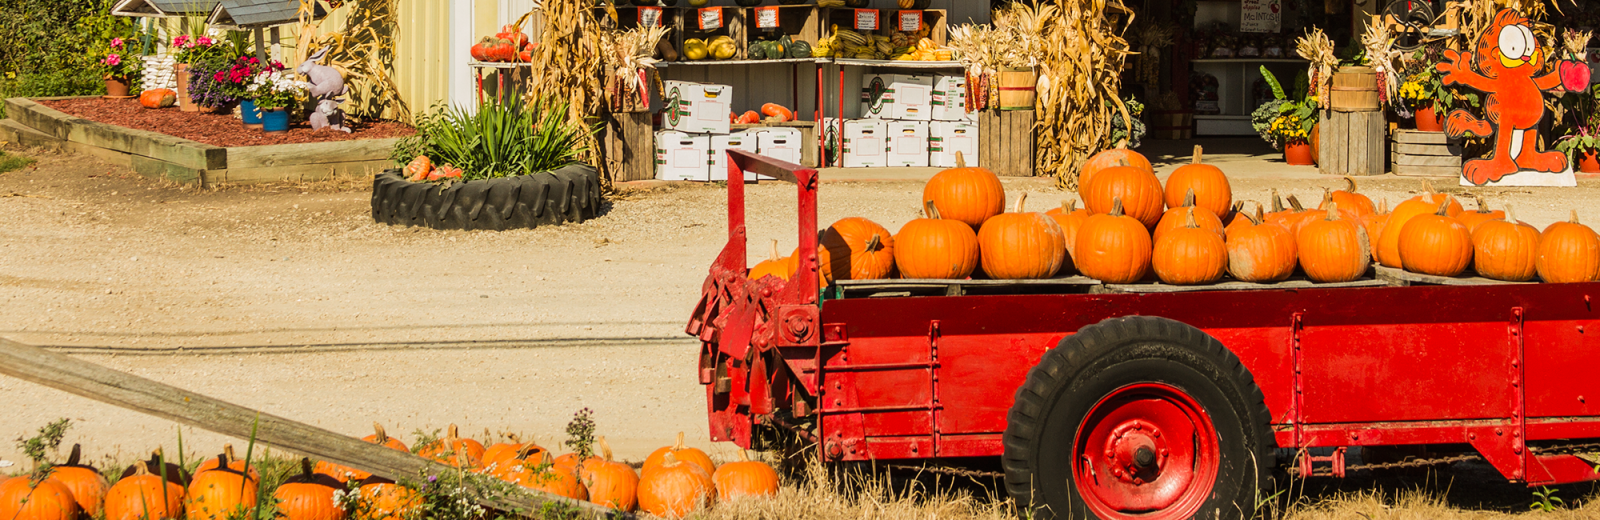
(1287, 125)
(274, 91)
(190, 50)
(1426, 96)
(236, 81)
(120, 70)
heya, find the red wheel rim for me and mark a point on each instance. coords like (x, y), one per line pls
(1146, 451)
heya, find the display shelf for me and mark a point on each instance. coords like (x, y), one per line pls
(897, 64)
(1249, 60)
(715, 63)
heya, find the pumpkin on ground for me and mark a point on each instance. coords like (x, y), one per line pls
(1111, 158)
(1261, 252)
(1473, 219)
(550, 478)
(1178, 216)
(611, 484)
(1021, 245)
(774, 265)
(1139, 191)
(1333, 249)
(1347, 198)
(309, 496)
(143, 496)
(158, 98)
(1505, 249)
(745, 478)
(1190, 255)
(970, 195)
(1070, 217)
(85, 483)
(675, 488)
(506, 466)
(386, 500)
(23, 499)
(1425, 204)
(1113, 247)
(227, 460)
(855, 249)
(501, 451)
(454, 450)
(347, 473)
(679, 452)
(1209, 187)
(220, 493)
(936, 248)
(1435, 244)
(1568, 252)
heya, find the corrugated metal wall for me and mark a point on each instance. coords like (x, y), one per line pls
(422, 53)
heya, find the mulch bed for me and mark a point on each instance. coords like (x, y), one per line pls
(223, 130)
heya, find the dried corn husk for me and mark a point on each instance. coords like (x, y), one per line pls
(1380, 55)
(1318, 49)
(1080, 68)
(569, 65)
(363, 50)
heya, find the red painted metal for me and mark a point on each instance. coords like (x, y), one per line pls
(1501, 368)
(1157, 422)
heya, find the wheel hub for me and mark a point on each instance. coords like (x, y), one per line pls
(1137, 452)
(1146, 451)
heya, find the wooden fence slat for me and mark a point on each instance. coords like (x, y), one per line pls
(135, 393)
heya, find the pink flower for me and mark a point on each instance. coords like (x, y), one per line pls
(204, 41)
(116, 43)
(218, 76)
(181, 40)
(112, 60)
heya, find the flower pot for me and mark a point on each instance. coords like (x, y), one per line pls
(1298, 154)
(249, 114)
(116, 88)
(1589, 162)
(1429, 121)
(275, 120)
(185, 102)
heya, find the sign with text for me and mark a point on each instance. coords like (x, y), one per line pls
(766, 18)
(1261, 16)
(866, 19)
(649, 16)
(710, 18)
(910, 21)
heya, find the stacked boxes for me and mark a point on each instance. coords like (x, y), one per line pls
(914, 111)
(865, 145)
(696, 135)
(681, 156)
(948, 137)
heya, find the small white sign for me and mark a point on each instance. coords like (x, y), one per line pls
(766, 18)
(866, 19)
(910, 21)
(1261, 16)
(649, 16)
(711, 18)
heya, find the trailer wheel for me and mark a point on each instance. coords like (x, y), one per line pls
(1139, 417)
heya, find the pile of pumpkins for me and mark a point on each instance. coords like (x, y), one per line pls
(674, 482)
(510, 45)
(1189, 232)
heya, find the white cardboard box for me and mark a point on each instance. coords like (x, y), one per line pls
(908, 143)
(720, 144)
(876, 96)
(864, 143)
(948, 137)
(681, 156)
(780, 143)
(832, 140)
(696, 108)
(950, 99)
(896, 96)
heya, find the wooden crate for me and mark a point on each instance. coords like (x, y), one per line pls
(628, 16)
(630, 147)
(1352, 143)
(1425, 154)
(733, 26)
(1005, 142)
(799, 22)
(938, 21)
(844, 17)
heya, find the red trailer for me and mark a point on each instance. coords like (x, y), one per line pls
(1144, 400)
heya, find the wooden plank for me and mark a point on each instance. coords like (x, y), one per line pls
(154, 145)
(1401, 275)
(1437, 150)
(1358, 143)
(135, 393)
(310, 153)
(1377, 140)
(295, 173)
(27, 137)
(1420, 137)
(1426, 160)
(1152, 288)
(1427, 171)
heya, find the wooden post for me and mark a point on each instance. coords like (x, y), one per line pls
(261, 44)
(135, 393)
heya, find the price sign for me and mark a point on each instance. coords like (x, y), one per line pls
(866, 19)
(710, 18)
(649, 16)
(766, 18)
(910, 21)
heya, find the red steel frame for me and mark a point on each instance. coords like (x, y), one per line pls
(1495, 367)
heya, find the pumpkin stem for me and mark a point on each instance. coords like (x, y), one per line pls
(1123, 144)
(1189, 212)
(1197, 153)
(379, 435)
(1574, 216)
(225, 457)
(1327, 197)
(1068, 206)
(770, 256)
(1350, 184)
(140, 470)
(1259, 215)
(1444, 207)
(1116, 206)
(1427, 187)
(305, 468)
(1483, 207)
(1255, 220)
(1188, 198)
(961, 161)
(933, 211)
(1333, 211)
(1277, 202)
(668, 460)
(875, 243)
(743, 457)
(679, 445)
(605, 449)
(1510, 217)
(1383, 205)
(1295, 203)
(453, 434)
(1021, 199)
(77, 452)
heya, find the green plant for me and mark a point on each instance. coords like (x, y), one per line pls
(580, 434)
(46, 443)
(497, 140)
(10, 162)
(1545, 500)
(1119, 127)
(1281, 121)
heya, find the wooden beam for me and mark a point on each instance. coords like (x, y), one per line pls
(102, 384)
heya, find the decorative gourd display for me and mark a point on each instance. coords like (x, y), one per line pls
(1204, 183)
(389, 501)
(1348, 199)
(682, 453)
(346, 473)
(1435, 244)
(1109, 158)
(1425, 204)
(23, 499)
(1260, 252)
(610, 484)
(418, 169)
(779, 112)
(674, 488)
(309, 496)
(143, 496)
(549, 477)
(454, 450)
(1505, 249)
(1021, 245)
(745, 478)
(1139, 191)
(1190, 255)
(1333, 249)
(935, 248)
(1569, 252)
(1373, 224)
(1070, 217)
(1473, 219)
(158, 98)
(221, 492)
(774, 265)
(970, 195)
(85, 483)
(1178, 216)
(855, 248)
(1113, 247)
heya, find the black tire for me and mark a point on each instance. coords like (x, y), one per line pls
(569, 194)
(1119, 357)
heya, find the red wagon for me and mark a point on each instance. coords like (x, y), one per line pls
(1144, 401)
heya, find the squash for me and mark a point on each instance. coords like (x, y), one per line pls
(800, 50)
(696, 49)
(779, 111)
(1190, 255)
(158, 98)
(1436, 244)
(389, 501)
(1204, 183)
(1021, 245)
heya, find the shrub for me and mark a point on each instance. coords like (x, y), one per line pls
(498, 140)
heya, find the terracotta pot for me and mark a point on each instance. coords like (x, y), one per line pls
(1298, 154)
(1316, 143)
(1429, 121)
(185, 102)
(116, 88)
(1589, 162)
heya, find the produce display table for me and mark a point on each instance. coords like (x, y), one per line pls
(517, 70)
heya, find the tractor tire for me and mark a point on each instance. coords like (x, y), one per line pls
(1139, 417)
(568, 194)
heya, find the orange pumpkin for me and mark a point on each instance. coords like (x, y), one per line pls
(309, 496)
(347, 473)
(23, 499)
(1112, 158)
(1568, 252)
(1347, 198)
(1113, 247)
(386, 500)
(1240, 219)
(1434, 198)
(679, 452)
(1021, 245)
(1139, 191)
(158, 98)
(1435, 244)
(1070, 218)
(506, 467)
(1261, 252)
(1333, 249)
(1204, 183)
(1190, 255)
(745, 478)
(502, 451)
(382, 438)
(674, 488)
(611, 484)
(418, 169)
(855, 249)
(143, 496)
(1280, 215)
(454, 450)
(218, 494)
(970, 195)
(1473, 219)
(550, 478)
(88, 487)
(1425, 204)
(1505, 249)
(774, 265)
(1178, 216)
(935, 248)
(228, 460)
(1373, 224)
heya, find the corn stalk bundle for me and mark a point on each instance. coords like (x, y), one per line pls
(630, 55)
(1080, 73)
(363, 51)
(1576, 43)
(1149, 38)
(569, 65)
(1316, 48)
(1381, 55)
(1480, 13)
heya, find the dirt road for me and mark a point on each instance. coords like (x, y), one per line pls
(290, 299)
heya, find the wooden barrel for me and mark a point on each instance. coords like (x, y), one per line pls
(1017, 89)
(1355, 89)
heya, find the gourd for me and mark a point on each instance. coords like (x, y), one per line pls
(546, 476)
(800, 50)
(158, 98)
(389, 501)
(1205, 184)
(348, 474)
(1425, 204)
(1021, 245)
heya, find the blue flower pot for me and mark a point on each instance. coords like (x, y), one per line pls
(248, 112)
(275, 120)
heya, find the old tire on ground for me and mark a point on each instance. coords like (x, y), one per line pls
(568, 194)
(1139, 417)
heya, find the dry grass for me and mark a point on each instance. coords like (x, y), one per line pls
(819, 495)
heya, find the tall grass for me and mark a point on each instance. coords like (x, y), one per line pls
(498, 139)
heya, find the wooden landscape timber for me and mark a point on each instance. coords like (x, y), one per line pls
(102, 384)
